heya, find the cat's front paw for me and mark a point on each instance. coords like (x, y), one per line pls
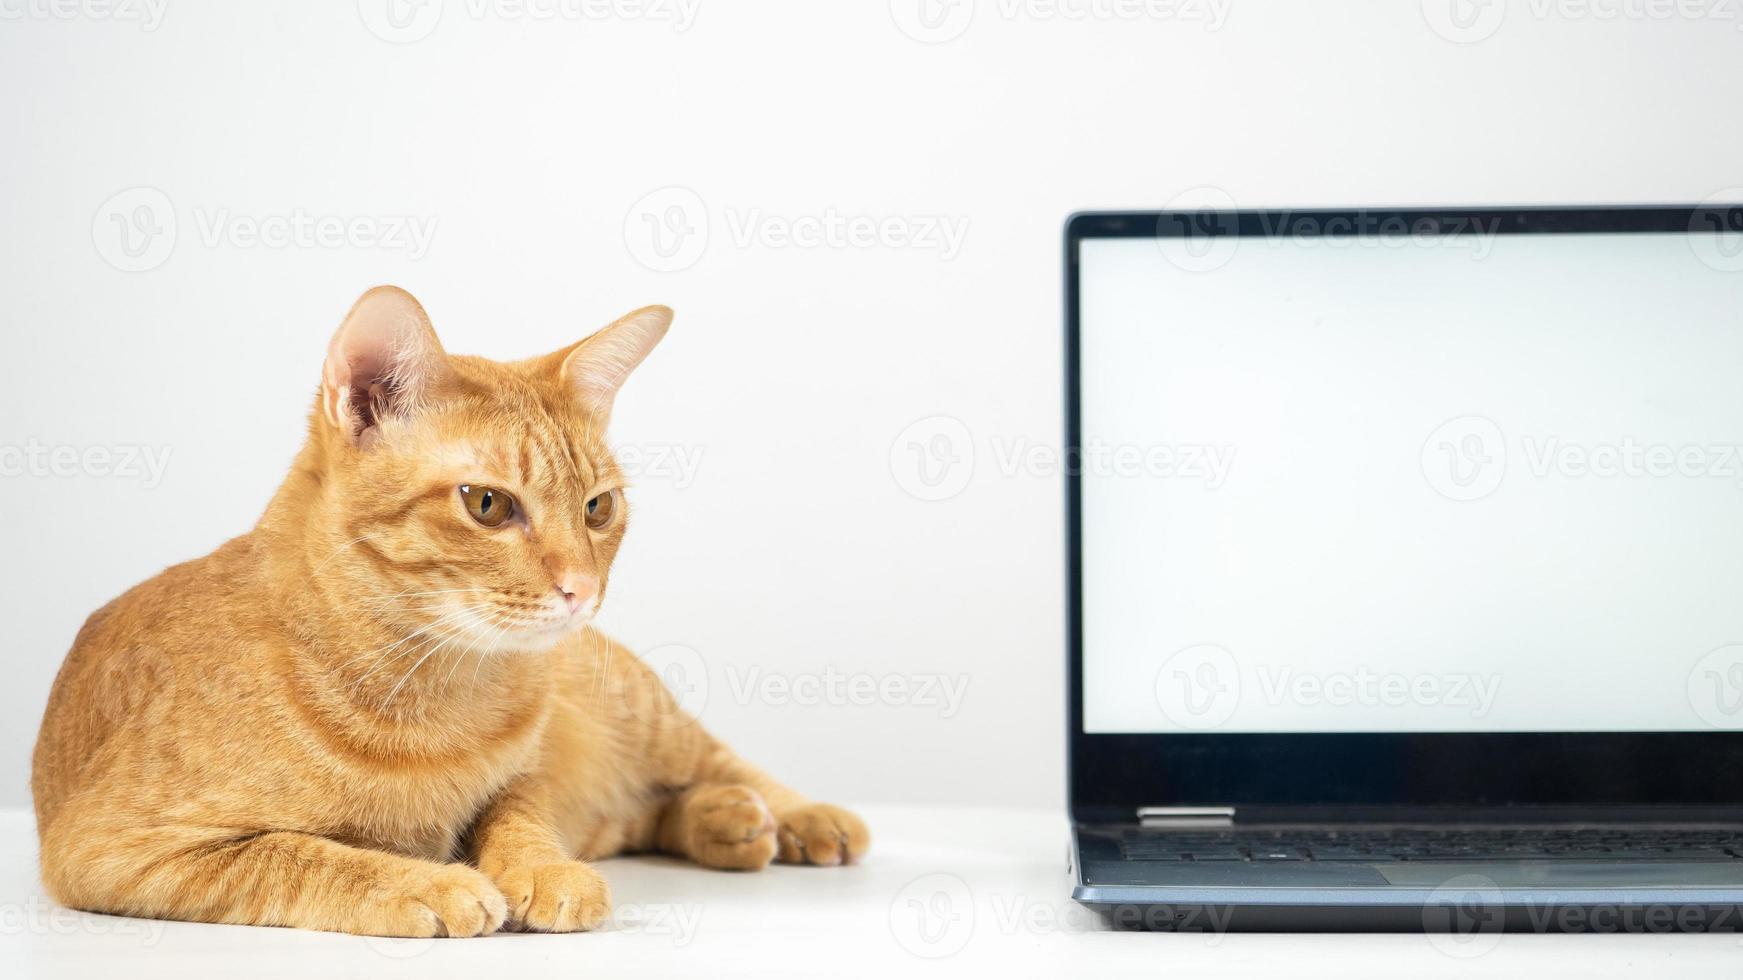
(818, 833)
(564, 896)
(449, 900)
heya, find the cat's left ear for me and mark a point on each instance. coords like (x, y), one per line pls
(598, 366)
(383, 362)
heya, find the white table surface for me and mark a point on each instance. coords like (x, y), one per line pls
(993, 882)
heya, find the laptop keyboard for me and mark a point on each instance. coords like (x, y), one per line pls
(1433, 844)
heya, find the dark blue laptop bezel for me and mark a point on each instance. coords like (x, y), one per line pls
(1109, 775)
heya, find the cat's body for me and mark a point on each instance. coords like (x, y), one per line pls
(316, 724)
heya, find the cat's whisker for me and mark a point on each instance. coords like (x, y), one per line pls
(415, 633)
(460, 631)
(357, 540)
(387, 600)
(397, 595)
(604, 673)
(360, 600)
(424, 644)
(439, 629)
(472, 691)
(488, 620)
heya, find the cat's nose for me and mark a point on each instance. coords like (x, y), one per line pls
(577, 589)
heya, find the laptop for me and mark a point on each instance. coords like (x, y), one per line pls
(1405, 569)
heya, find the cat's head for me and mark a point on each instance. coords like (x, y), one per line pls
(473, 500)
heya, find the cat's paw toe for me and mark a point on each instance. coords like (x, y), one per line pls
(452, 901)
(731, 828)
(818, 833)
(565, 896)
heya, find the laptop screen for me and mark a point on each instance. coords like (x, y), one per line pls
(1471, 483)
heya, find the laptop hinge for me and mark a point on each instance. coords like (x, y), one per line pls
(1186, 816)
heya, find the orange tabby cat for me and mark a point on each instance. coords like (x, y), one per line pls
(391, 674)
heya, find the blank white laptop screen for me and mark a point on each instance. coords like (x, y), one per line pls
(1368, 485)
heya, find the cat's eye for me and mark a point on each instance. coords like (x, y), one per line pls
(601, 509)
(487, 505)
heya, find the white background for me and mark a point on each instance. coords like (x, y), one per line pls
(533, 142)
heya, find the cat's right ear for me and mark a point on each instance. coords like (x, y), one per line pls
(383, 362)
(596, 367)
